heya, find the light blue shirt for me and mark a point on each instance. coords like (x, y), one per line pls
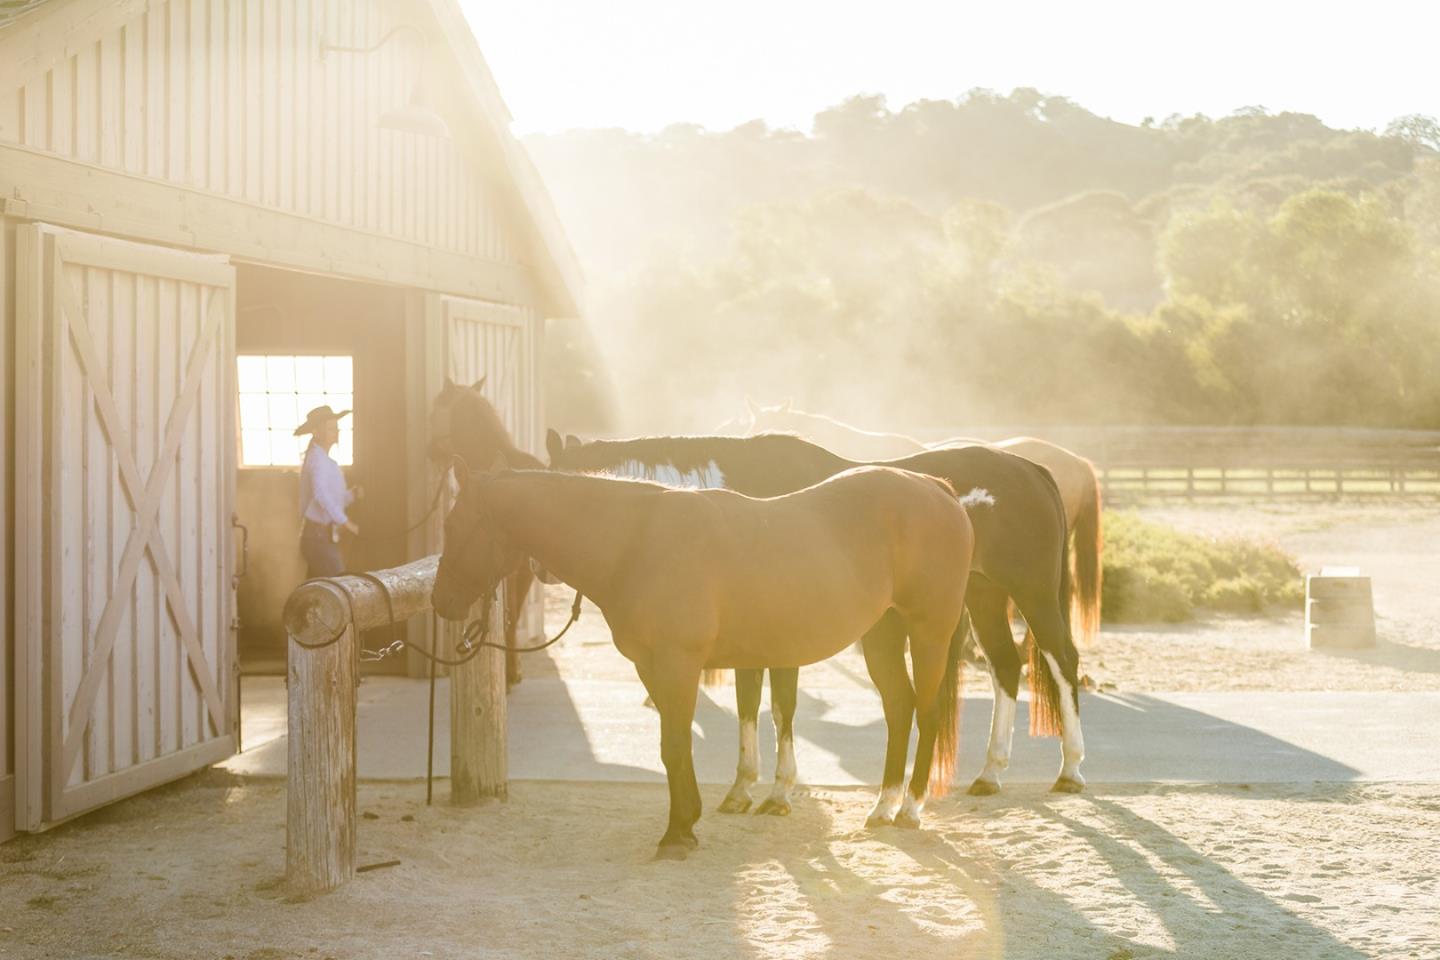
(323, 494)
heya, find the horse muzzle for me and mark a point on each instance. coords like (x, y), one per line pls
(448, 605)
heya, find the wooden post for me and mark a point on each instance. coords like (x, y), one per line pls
(323, 684)
(320, 791)
(479, 765)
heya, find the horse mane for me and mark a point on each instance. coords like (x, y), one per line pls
(685, 454)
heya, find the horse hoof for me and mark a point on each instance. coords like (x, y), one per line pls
(983, 788)
(877, 820)
(774, 807)
(734, 805)
(672, 851)
(907, 821)
(1067, 785)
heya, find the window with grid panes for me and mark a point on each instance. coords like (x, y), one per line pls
(276, 391)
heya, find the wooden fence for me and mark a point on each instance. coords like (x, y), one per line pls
(324, 619)
(1281, 463)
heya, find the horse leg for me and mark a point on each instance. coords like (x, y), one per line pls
(674, 687)
(929, 651)
(784, 693)
(989, 611)
(1062, 663)
(884, 648)
(747, 771)
(517, 589)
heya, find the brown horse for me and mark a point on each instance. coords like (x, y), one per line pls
(1074, 476)
(697, 579)
(464, 424)
(1020, 547)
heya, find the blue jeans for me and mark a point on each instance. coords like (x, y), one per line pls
(322, 557)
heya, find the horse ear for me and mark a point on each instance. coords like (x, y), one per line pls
(571, 441)
(553, 445)
(478, 384)
(449, 385)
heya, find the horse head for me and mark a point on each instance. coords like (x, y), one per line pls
(477, 556)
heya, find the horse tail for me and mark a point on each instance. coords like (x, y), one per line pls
(1044, 691)
(947, 734)
(1088, 548)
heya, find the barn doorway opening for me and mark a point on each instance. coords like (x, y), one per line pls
(301, 341)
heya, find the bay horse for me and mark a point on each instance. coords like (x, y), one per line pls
(1074, 475)
(1020, 554)
(464, 424)
(695, 579)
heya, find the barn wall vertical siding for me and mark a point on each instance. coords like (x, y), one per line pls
(232, 97)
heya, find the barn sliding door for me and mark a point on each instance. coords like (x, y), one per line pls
(495, 341)
(125, 428)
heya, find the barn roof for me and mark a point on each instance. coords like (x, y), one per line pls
(551, 256)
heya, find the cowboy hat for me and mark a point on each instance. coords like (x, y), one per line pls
(318, 416)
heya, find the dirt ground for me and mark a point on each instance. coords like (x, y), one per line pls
(1397, 546)
(562, 871)
(1315, 870)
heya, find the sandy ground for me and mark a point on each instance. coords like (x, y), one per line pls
(1397, 546)
(563, 870)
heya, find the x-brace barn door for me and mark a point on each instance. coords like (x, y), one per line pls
(125, 426)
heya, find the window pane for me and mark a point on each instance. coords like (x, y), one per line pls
(255, 448)
(280, 373)
(344, 451)
(338, 376)
(251, 374)
(286, 449)
(306, 402)
(283, 412)
(310, 374)
(254, 411)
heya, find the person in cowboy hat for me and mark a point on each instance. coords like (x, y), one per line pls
(323, 495)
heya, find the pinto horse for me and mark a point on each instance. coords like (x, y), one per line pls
(1074, 475)
(690, 580)
(1020, 555)
(464, 424)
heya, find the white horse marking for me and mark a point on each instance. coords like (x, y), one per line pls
(1002, 732)
(912, 808)
(1072, 742)
(978, 497)
(887, 805)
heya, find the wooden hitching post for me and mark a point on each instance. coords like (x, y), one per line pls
(478, 761)
(320, 792)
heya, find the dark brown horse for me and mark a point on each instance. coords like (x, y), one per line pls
(464, 424)
(1020, 554)
(696, 579)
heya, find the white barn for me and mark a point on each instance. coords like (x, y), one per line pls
(213, 214)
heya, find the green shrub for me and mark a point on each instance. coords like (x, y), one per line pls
(1155, 573)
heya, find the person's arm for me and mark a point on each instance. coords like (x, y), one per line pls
(330, 494)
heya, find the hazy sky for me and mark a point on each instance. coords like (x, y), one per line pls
(643, 64)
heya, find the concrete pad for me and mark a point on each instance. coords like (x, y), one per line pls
(598, 729)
